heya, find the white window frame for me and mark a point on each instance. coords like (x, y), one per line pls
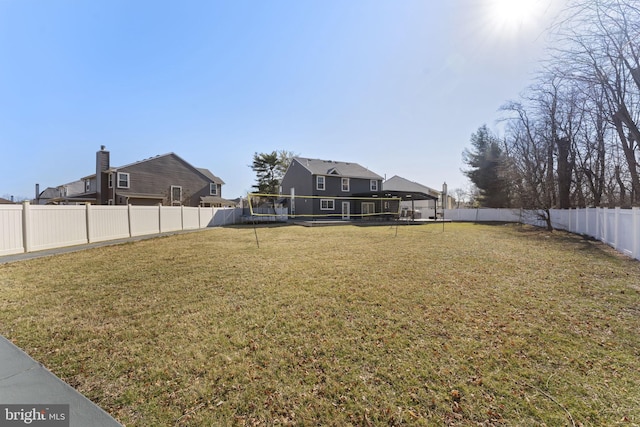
(373, 185)
(87, 185)
(110, 180)
(320, 183)
(174, 201)
(344, 187)
(124, 180)
(213, 189)
(327, 205)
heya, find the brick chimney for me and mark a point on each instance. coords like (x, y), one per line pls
(102, 179)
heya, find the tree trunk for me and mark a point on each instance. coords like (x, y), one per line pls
(623, 190)
(622, 117)
(564, 173)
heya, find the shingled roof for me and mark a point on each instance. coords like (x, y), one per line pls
(332, 167)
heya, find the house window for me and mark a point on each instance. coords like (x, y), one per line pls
(87, 186)
(176, 195)
(123, 180)
(345, 184)
(327, 204)
(368, 208)
(319, 182)
(374, 185)
(213, 189)
(110, 180)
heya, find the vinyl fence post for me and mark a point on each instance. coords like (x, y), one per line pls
(88, 222)
(26, 226)
(616, 221)
(603, 226)
(635, 211)
(129, 218)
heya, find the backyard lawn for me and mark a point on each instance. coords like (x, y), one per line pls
(344, 325)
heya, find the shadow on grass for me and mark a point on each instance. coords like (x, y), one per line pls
(578, 242)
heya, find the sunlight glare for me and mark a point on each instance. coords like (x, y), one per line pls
(513, 16)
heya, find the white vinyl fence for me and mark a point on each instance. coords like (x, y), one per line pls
(618, 228)
(29, 228)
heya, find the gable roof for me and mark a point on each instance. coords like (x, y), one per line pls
(397, 183)
(202, 171)
(332, 167)
(208, 174)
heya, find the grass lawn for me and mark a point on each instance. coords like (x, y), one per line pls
(343, 325)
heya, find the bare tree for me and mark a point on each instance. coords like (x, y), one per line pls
(601, 49)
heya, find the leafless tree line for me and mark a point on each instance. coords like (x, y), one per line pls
(573, 138)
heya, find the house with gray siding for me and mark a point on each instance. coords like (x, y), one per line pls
(165, 179)
(330, 189)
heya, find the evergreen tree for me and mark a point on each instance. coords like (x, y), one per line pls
(270, 169)
(265, 165)
(485, 162)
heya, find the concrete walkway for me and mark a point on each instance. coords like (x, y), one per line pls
(26, 382)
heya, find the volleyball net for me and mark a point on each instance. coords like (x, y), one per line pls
(323, 207)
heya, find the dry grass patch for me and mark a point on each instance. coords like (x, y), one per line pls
(476, 325)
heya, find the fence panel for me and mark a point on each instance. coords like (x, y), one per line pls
(190, 218)
(11, 230)
(144, 220)
(28, 228)
(624, 234)
(222, 216)
(559, 218)
(608, 222)
(108, 222)
(55, 226)
(170, 218)
(206, 216)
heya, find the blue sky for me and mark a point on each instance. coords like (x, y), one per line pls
(397, 86)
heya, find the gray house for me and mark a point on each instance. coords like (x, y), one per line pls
(331, 189)
(165, 179)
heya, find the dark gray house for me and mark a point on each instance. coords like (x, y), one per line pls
(331, 189)
(165, 179)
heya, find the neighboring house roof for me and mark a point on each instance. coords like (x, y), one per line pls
(49, 193)
(205, 172)
(5, 202)
(332, 167)
(74, 188)
(208, 174)
(397, 183)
